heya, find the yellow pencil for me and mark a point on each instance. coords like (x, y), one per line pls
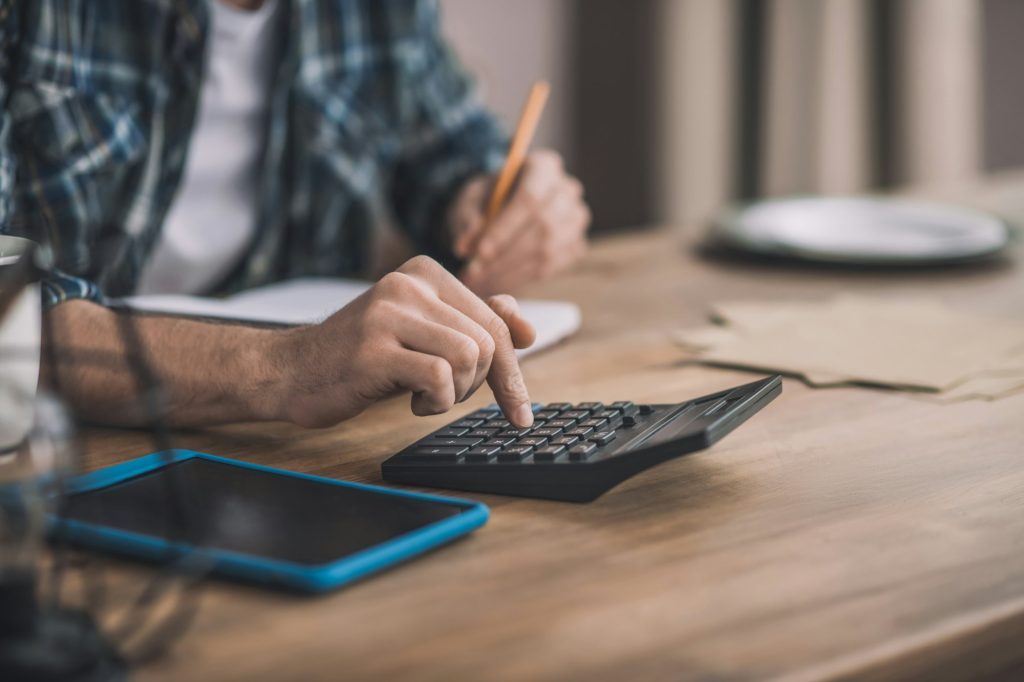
(521, 139)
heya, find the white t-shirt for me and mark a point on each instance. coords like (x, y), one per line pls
(213, 217)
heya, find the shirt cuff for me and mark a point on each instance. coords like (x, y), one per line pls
(58, 287)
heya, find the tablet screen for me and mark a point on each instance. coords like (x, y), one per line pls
(256, 512)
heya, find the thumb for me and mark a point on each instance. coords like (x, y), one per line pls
(522, 331)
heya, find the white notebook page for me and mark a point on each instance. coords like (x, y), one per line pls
(309, 300)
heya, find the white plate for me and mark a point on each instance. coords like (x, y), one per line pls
(862, 230)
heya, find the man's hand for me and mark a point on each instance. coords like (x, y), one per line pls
(539, 232)
(418, 329)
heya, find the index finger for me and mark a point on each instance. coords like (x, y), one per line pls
(504, 377)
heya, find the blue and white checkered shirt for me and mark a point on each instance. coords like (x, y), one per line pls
(97, 102)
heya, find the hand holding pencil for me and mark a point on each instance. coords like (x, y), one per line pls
(527, 223)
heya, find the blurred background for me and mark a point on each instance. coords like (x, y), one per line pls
(667, 109)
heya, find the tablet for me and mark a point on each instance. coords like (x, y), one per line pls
(257, 523)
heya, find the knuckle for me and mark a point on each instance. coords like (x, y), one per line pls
(548, 157)
(392, 284)
(419, 265)
(485, 347)
(501, 301)
(439, 372)
(380, 312)
(466, 353)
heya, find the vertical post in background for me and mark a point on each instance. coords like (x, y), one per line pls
(882, 35)
(697, 122)
(842, 146)
(1003, 97)
(752, 48)
(614, 109)
(792, 71)
(940, 94)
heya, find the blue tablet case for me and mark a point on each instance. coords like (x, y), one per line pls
(272, 572)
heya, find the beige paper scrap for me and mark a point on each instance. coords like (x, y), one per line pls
(916, 344)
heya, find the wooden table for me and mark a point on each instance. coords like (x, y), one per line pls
(840, 533)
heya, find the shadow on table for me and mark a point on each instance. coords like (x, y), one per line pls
(728, 257)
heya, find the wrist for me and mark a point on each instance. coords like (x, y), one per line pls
(264, 384)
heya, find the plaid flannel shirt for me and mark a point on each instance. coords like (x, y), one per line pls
(97, 101)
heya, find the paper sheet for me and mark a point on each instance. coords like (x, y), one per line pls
(913, 344)
(310, 300)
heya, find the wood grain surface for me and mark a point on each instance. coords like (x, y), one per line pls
(841, 533)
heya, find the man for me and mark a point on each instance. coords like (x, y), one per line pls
(204, 146)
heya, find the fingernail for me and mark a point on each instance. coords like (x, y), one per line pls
(524, 415)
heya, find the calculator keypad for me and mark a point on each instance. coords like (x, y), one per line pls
(561, 432)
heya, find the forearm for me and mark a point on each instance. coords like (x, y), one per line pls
(211, 373)
(418, 330)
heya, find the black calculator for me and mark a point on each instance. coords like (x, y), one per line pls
(572, 452)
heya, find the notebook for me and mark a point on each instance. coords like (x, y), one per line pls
(310, 300)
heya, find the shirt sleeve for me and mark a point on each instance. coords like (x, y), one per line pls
(57, 287)
(450, 138)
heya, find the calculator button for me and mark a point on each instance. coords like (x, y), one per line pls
(625, 407)
(449, 433)
(482, 453)
(532, 441)
(595, 423)
(575, 414)
(590, 407)
(482, 433)
(466, 424)
(565, 440)
(629, 420)
(515, 453)
(500, 441)
(549, 453)
(613, 417)
(483, 415)
(437, 454)
(580, 431)
(499, 423)
(451, 442)
(536, 407)
(546, 414)
(561, 424)
(546, 432)
(646, 409)
(514, 433)
(578, 453)
(603, 438)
